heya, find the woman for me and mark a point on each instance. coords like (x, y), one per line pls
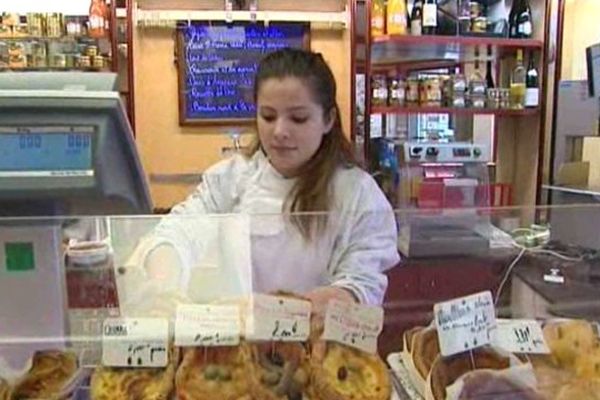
(333, 234)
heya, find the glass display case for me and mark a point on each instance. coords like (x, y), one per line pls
(98, 307)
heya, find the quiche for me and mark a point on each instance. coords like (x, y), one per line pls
(343, 373)
(278, 371)
(49, 376)
(132, 383)
(213, 373)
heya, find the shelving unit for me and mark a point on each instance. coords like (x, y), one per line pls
(517, 133)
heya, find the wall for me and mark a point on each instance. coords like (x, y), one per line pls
(167, 148)
(581, 30)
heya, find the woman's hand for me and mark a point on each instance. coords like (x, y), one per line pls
(320, 297)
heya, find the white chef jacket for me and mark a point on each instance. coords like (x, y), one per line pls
(358, 244)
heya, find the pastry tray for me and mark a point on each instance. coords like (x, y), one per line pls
(401, 378)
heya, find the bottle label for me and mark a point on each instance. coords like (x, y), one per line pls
(532, 97)
(377, 22)
(527, 28)
(415, 27)
(430, 15)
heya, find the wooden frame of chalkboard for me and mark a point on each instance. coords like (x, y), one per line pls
(211, 51)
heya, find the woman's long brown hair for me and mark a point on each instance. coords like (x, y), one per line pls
(312, 191)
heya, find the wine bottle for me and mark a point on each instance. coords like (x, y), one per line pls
(430, 17)
(532, 92)
(416, 18)
(517, 83)
(489, 76)
(520, 20)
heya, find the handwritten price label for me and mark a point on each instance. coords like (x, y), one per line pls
(354, 325)
(279, 319)
(465, 323)
(135, 342)
(520, 336)
(207, 325)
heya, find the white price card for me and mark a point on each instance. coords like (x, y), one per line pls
(520, 336)
(354, 325)
(278, 318)
(207, 325)
(135, 342)
(465, 323)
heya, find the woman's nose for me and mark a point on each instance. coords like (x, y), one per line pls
(281, 129)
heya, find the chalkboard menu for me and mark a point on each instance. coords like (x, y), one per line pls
(217, 64)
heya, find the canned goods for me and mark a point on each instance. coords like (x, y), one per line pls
(379, 90)
(412, 90)
(397, 92)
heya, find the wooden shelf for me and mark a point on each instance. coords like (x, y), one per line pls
(402, 49)
(64, 38)
(453, 110)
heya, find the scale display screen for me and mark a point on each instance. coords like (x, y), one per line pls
(29, 151)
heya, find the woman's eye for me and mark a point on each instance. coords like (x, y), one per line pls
(299, 120)
(268, 118)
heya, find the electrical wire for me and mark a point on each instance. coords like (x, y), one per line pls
(507, 274)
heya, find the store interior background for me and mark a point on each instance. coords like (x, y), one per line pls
(170, 150)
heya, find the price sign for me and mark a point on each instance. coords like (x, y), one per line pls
(279, 319)
(465, 323)
(520, 336)
(354, 325)
(207, 325)
(135, 342)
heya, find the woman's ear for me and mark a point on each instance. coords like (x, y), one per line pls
(330, 120)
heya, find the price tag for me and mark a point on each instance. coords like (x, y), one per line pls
(354, 325)
(135, 342)
(464, 323)
(520, 336)
(207, 325)
(279, 319)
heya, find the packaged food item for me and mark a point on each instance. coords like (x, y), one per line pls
(412, 90)
(54, 24)
(397, 92)
(379, 90)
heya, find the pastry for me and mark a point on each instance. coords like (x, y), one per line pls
(342, 373)
(278, 371)
(213, 373)
(4, 390)
(550, 377)
(488, 385)
(50, 374)
(568, 340)
(409, 335)
(132, 383)
(425, 349)
(584, 389)
(446, 370)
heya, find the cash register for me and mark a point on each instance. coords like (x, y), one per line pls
(66, 151)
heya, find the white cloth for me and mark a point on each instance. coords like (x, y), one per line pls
(358, 245)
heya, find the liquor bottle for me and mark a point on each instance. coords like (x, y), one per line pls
(520, 20)
(517, 83)
(378, 18)
(98, 19)
(416, 18)
(430, 17)
(397, 17)
(532, 91)
(489, 76)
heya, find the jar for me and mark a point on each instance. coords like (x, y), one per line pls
(35, 24)
(477, 101)
(84, 62)
(98, 62)
(379, 90)
(54, 24)
(39, 61)
(397, 92)
(91, 51)
(430, 93)
(412, 90)
(5, 31)
(16, 49)
(21, 30)
(493, 98)
(59, 61)
(17, 62)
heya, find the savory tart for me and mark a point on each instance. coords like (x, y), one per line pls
(278, 371)
(425, 349)
(132, 383)
(339, 372)
(213, 373)
(568, 340)
(486, 384)
(49, 376)
(583, 389)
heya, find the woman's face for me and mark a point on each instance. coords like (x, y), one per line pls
(291, 125)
